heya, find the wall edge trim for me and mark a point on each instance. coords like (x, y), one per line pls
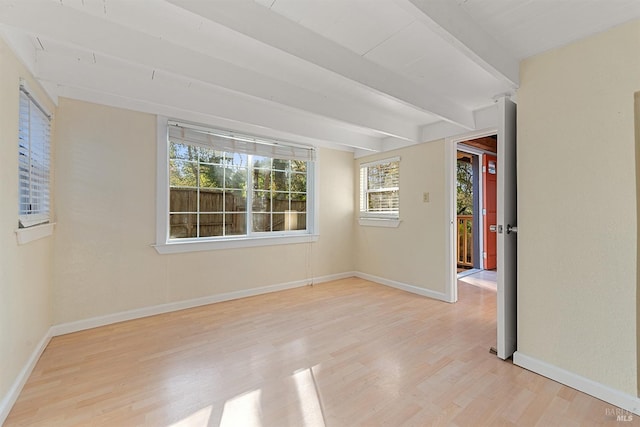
(108, 319)
(441, 296)
(10, 398)
(598, 390)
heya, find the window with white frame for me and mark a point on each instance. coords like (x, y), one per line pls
(34, 139)
(380, 189)
(224, 185)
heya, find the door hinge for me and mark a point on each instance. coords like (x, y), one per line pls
(484, 211)
(484, 255)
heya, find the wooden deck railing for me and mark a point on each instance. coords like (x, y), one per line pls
(465, 241)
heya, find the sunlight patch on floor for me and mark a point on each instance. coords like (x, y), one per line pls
(197, 419)
(310, 405)
(243, 410)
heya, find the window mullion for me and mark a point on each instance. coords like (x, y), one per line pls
(224, 194)
(383, 190)
(249, 207)
(271, 178)
(289, 184)
(198, 193)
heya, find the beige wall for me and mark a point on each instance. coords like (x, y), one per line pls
(106, 187)
(25, 271)
(413, 253)
(577, 207)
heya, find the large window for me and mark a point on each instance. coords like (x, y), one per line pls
(33, 161)
(226, 186)
(380, 189)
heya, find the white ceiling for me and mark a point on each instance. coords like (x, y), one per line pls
(363, 75)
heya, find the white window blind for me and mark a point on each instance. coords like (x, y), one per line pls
(34, 137)
(380, 189)
(238, 143)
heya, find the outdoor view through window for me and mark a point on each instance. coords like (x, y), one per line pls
(380, 189)
(220, 193)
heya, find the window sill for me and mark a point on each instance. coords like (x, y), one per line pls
(177, 247)
(379, 222)
(30, 234)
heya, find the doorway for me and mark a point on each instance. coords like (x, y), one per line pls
(475, 206)
(467, 212)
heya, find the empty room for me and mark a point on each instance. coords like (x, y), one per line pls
(319, 212)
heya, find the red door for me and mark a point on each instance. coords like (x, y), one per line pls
(489, 207)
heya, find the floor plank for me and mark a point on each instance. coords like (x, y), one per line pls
(344, 353)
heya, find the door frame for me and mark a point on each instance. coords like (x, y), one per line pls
(480, 154)
(450, 156)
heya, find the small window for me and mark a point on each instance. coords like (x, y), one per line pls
(380, 189)
(225, 186)
(34, 139)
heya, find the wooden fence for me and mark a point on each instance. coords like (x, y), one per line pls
(286, 215)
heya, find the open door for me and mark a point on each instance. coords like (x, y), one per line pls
(507, 229)
(489, 207)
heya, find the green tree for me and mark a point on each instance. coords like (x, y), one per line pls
(464, 188)
(190, 166)
(183, 165)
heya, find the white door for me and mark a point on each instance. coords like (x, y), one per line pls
(507, 230)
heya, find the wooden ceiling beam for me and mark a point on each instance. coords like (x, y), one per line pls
(79, 30)
(259, 23)
(454, 25)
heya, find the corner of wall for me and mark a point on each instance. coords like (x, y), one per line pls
(637, 152)
(413, 253)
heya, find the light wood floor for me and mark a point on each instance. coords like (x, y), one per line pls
(345, 353)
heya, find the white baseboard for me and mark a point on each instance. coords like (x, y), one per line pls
(94, 322)
(580, 383)
(403, 286)
(332, 277)
(12, 395)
